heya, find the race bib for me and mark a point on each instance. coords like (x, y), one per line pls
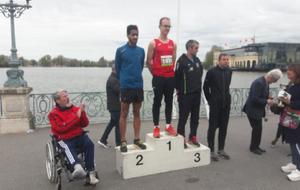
(166, 60)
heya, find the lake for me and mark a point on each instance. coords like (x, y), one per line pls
(83, 79)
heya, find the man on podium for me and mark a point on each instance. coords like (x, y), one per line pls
(129, 66)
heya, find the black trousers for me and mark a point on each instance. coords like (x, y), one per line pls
(114, 122)
(280, 133)
(189, 103)
(295, 150)
(163, 87)
(256, 125)
(218, 118)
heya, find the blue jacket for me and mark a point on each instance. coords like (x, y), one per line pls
(129, 63)
(257, 99)
(293, 135)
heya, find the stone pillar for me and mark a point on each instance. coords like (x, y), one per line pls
(15, 115)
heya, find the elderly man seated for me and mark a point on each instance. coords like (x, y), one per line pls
(67, 123)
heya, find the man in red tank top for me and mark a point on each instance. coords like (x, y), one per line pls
(161, 57)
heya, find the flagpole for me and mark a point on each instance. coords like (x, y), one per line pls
(178, 25)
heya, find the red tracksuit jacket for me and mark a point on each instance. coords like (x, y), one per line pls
(65, 124)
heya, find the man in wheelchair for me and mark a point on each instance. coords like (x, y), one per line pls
(67, 123)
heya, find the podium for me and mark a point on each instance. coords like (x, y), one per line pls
(163, 154)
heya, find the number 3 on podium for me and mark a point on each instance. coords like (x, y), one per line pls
(197, 157)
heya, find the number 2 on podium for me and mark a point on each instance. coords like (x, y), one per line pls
(139, 160)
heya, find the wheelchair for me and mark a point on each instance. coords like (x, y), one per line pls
(57, 162)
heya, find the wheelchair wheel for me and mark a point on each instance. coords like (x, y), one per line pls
(51, 166)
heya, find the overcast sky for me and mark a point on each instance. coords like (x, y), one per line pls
(89, 29)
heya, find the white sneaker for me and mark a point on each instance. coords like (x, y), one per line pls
(288, 168)
(294, 176)
(78, 171)
(93, 179)
(103, 144)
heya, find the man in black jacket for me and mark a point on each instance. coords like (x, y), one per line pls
(113, 106)
(188, 76)
(217, 93)
(255, 106)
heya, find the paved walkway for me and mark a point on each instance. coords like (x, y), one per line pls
(22, 164)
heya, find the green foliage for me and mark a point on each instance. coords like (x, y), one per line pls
(3, 61)
(59, 61)
(209, 57)
(45, 61)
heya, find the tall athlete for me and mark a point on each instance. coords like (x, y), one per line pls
(161, 57)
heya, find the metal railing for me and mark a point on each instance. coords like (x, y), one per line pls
(41, 105)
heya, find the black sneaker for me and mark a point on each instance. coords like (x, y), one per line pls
(185, 146)
(123, 146)
(223, 155)
(214, 157)
(262, 150)
(139, 144)
(273, 143)
(256, 151)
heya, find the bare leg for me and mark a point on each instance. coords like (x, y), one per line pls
(123, 120)
(136, 119)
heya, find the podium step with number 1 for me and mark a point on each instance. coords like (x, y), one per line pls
(163, 154)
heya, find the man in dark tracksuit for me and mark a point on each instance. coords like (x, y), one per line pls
(188, 76)
(217, 93)
(113, 106)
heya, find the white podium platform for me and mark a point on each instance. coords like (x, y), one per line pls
(163, 154)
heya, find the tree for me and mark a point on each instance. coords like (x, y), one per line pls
(33, 62)
(58, 61)
(45, 61)
(24, 62)
(74, 63)
(3, 61)
(209, 57)
(102, 62)
(86, 63)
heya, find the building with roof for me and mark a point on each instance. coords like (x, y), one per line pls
(262, 56)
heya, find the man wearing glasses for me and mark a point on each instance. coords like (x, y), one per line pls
(161, 59)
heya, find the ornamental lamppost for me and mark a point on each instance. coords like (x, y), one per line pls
(15, 76)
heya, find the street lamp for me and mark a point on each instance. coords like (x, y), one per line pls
(15, 76)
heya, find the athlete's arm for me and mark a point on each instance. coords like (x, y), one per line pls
(118, 63)
(150, 55)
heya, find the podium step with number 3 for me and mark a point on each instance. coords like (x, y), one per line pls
(163, 154)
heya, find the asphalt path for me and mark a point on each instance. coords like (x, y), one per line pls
(22, 163)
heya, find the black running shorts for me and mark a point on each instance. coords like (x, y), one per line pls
(132, 95)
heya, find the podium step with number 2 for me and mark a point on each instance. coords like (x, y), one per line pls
(163, 154)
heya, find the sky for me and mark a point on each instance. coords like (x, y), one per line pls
(91, 29)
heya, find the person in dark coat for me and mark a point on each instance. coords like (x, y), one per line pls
(188, 77)
(292, 136)
(217, 93)
(255, 106)
(113, 106)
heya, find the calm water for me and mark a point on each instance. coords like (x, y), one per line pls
(47, 80)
